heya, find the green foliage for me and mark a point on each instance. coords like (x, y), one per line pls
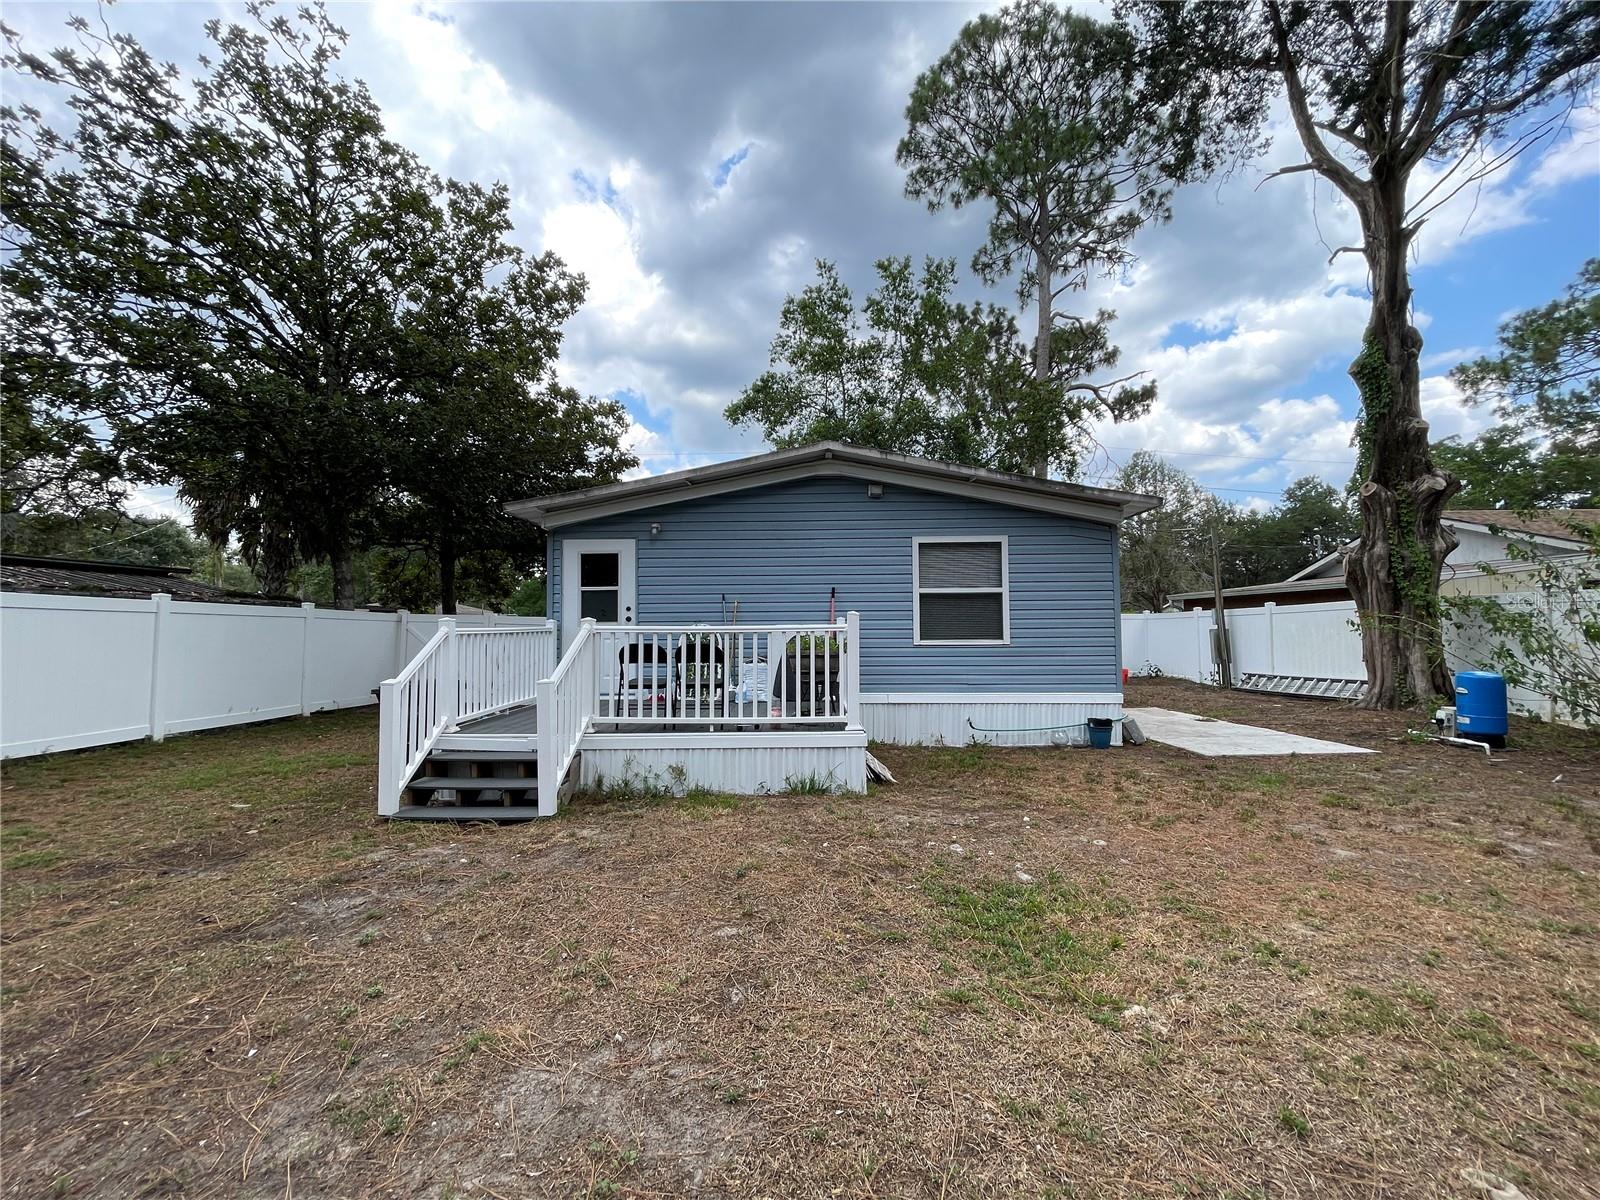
(237, 245)
(915, 372)
(1545, 635)
(1545, 388)
(1045, 115)
(272, 305)
(1168, 549)
(1311, 520)
(483, 418)
(1375, 384)
(529, 598)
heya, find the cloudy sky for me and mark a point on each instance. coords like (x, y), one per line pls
(694, 160)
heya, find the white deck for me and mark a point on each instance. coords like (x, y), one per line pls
(747, 708)
(1218, 739)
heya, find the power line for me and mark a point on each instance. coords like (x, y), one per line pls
(1328, 462)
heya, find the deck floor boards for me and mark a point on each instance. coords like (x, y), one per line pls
(515, 722)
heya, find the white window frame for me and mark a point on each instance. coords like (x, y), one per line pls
(1004, 589)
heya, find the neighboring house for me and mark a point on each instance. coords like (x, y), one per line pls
(759, 620)
(1490, 557)
(83, 577)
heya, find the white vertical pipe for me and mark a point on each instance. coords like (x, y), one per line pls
(852, 665)
(158, 716)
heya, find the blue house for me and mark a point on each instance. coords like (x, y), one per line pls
(757, 622)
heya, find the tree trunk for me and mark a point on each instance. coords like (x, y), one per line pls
(1041, 354)
(342, 560)
(447, 574)
(1393, 572)
(274, 560)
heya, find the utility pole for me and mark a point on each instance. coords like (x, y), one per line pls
(1224, 652)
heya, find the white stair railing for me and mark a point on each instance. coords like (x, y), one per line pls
(500, 666)
(457, 675)
(567, 703)
(414, 708)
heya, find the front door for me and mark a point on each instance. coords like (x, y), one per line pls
(596, 581)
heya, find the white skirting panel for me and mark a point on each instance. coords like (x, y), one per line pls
(1021, 718)
(743, 764)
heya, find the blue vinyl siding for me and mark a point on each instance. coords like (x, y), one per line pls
(777, 550)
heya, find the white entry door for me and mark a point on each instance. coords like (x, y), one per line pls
(596, 581)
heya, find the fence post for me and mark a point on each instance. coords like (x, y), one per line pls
(1271, 607)
(450, 681)
(548, 764)
(390, 722)
(852, 670)
(308, 613)
(402, 642)
(158, 714)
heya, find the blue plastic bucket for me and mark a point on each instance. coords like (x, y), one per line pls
(1099, 732)
(1481, 710)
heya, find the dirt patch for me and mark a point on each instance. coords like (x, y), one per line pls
(1017, 973)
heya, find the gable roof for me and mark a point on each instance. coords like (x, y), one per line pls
(1549, 523)
(835, 459)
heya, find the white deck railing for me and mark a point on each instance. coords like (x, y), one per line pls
(567, 702)
(676, 675)
(619, 676)
(458, 674)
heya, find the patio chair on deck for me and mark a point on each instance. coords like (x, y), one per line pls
(644, 680)
(698, 663)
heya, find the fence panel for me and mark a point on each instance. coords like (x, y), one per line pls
(74, 671)
(78, 671)
(348, 654)
(1309, 640)
(226, 664)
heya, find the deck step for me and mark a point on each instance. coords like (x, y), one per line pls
(487, 756)
(474, 783)
(468, 812)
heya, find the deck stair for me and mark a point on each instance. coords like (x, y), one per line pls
(1310, 686)
(474, 785)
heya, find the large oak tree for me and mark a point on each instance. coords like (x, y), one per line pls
(1375, 92)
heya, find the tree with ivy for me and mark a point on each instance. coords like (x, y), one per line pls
(1544, 386)
(1043, 114)
(1375, 92)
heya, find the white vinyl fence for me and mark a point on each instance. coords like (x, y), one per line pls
(1315, 640)
(79, 671)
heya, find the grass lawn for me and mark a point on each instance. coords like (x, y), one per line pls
(1015, 973)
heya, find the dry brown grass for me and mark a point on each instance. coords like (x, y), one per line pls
(1353, 977)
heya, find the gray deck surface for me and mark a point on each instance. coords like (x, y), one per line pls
(516, 722)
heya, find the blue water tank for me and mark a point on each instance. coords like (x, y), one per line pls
(1481, 706)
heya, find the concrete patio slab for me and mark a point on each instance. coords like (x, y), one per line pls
(1217, 739)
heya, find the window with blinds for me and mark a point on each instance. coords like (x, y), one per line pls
(961, 590)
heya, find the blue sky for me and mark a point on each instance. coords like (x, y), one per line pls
(694, 160)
